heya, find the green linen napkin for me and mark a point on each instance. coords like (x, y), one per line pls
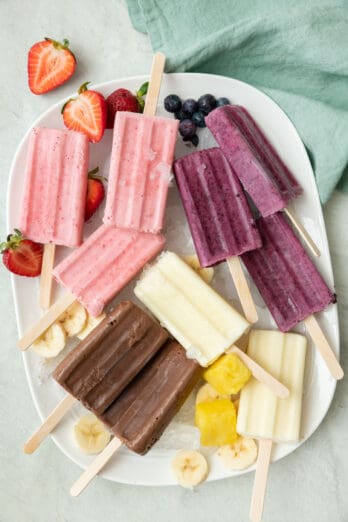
(295, 51)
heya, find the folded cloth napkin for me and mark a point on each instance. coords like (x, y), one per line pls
(294, 51)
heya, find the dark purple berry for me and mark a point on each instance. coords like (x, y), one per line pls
(172, 103)
(198, 119)
(222, 101)
(195, 140)
(189, 106)
(187, 128)
(206, 103)
(180, 115)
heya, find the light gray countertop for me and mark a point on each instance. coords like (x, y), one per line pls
(310, 485)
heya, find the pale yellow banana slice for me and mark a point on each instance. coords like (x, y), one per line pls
(91, 323)
(207, 393)
(90, 434)
(239, 455)
(74, 319)
(51, 342)
(190, 468)
(206, 274)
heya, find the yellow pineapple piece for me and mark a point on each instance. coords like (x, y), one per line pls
(228, 374)
(216, 421)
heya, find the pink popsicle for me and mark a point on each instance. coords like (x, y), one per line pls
(141, 160)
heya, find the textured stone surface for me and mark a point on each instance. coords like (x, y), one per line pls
(309, 485)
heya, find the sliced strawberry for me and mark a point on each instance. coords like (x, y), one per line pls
(50, 63)
(124, 100)
(22, 256)
(95, 193)
(86, 113)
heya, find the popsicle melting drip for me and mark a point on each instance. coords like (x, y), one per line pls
(287, 279)
(141, 160)
(218, 214)
(55, 184)
(257, 164)
(105, 263)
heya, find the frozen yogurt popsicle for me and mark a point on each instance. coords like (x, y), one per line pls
(140, 170)
(55, 184)
(260, 413)
(199, 318)
(96, 271)
(289, 282)
(218, 213)
(257, 164)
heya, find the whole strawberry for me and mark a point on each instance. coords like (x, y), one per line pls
(95, 193)
(124, 100)
(86, 113)
(22, 256)
(50, 63)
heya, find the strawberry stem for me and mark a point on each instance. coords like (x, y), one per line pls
(58, 45)
(141, 93)
(92, 174)
(83, 88)
(13, 241)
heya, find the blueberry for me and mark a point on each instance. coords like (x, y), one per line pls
(187, 128)
(180, 115)
(189, 106)
(198, 119)
(172, 103)
(206, 103)
(195, 140)
(222, 101)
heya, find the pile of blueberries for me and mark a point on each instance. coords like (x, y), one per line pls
(192, 113)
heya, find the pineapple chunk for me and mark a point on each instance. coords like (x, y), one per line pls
(216, 421)
(228, 374)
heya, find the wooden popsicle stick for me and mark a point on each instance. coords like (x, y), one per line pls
(324, 348)
(260, 374)
(154, 84)
(260, 480)
(52, 314)
(242, 288)
(46, 280)
(49, 424)
(96, 465)
(303, 233)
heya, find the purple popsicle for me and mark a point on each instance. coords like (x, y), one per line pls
(218, 214)
(257, 164)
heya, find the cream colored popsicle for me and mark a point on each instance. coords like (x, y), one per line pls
(261, 414)
(199, 318)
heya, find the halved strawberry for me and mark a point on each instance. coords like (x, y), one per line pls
(50, 63)
(22, 256)
(125, 100)
(86, 113)
(95, 192)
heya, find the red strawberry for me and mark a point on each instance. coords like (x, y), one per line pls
(86, 113)
(95, 193)
(22, 256)
(124, 100)
(50, 63)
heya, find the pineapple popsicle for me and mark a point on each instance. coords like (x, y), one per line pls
(199, 318)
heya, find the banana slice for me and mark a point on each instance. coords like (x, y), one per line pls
(239, 455)
(74, 319)
(90, 434)
(51, 342)
(207, 393)
(206, 274)
(190, 468)
(91, 323)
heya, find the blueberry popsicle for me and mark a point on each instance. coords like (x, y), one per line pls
(220, 220)
(96, 271)
(262, 172)
(290, 284)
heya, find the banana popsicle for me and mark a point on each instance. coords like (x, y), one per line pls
(199, 318)
(141, 160)
(220, 220)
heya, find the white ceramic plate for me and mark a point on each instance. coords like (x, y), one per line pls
(154, 468)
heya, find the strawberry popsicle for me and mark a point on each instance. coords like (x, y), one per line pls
(290, 284)
(218, 213)
(141, 159)
(96, 271)
(55, 185)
